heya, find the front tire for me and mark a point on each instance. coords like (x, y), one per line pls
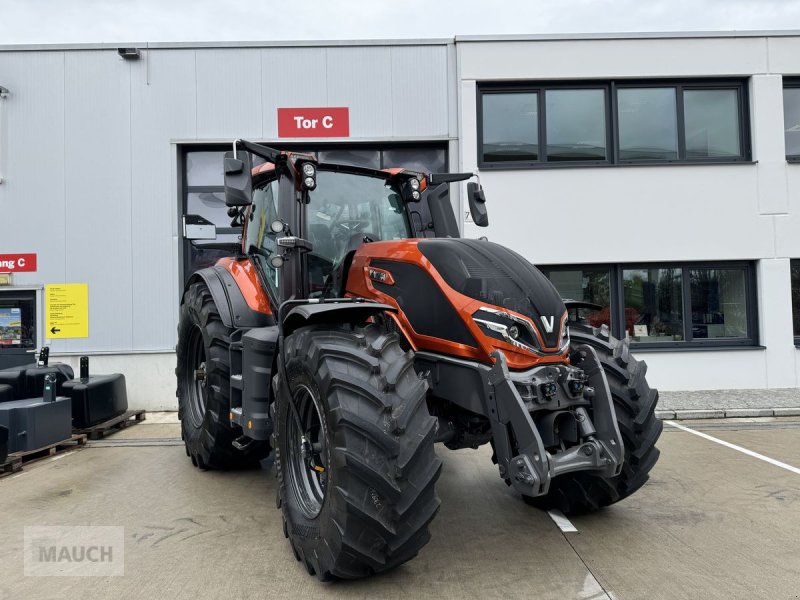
(634, 402)
(354, 457)
(203, 373)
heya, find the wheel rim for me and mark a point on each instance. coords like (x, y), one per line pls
(195, 377)
(307, 451)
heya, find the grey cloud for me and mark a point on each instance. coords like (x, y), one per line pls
(55, 21)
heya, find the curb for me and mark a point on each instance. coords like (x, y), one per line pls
(727, 413)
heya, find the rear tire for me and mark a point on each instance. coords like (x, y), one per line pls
(204, 405)
(362, 412)
(635, 403)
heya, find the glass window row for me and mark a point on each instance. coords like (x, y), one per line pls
(612, 123)
(658, 305)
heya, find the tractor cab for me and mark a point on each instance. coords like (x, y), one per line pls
(342, 210)
(303, 220)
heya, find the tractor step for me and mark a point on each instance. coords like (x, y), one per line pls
(236, 382)
(251, 359)
(242, 443)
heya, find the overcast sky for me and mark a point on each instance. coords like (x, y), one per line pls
(54, 21)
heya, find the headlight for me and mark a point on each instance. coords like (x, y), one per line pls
(513, 330)
(411, 189)
(309, 174)
(503, 326)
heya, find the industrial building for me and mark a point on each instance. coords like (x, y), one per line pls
(654, 175)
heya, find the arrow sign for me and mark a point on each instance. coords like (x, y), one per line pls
(54, 330)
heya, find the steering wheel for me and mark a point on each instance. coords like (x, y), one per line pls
(337, 275)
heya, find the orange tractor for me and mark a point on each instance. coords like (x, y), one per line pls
(354, 329)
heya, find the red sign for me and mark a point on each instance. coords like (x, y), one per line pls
(17, 263)
(314, 122)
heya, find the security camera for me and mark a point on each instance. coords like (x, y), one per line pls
(4, 92)
(129, 53)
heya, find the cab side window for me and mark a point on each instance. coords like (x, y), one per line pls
(260, 241)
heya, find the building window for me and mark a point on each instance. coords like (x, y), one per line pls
(587, 284)
(575, 125)
(644, 122)
(711, 124)
(791, 118)
(648, 124)
(719, 302)
(653, 304)
(544, 125)
(795, 269)
(511, 127)
(672, 305)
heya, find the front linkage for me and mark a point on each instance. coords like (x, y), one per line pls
(520, 450)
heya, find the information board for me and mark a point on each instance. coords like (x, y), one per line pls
(67, 311)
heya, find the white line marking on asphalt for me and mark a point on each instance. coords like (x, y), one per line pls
(563, 522)
(771, 461)
(592, 590)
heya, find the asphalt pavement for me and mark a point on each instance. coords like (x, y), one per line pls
(716, 520)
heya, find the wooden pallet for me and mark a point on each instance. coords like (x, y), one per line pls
(11, 466)
(99, 431)
(17, 460)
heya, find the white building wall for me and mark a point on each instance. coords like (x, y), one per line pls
(88, 153)
(659, 213)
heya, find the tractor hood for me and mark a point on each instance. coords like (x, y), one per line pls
(500, 277)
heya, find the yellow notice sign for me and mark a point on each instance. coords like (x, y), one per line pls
(67, 309)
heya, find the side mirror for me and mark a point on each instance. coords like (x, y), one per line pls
(238, 179)
(477, 205)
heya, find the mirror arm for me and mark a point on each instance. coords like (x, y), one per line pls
(265, 152)
(437, 178)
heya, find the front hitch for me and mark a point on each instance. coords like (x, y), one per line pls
(521, 455)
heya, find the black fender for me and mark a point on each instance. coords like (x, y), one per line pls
(233, 309)
(572, 309)
(332, 312)
(571, 304)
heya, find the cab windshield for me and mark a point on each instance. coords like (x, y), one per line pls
(344, 211)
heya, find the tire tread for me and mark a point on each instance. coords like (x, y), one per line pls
(376, 402)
